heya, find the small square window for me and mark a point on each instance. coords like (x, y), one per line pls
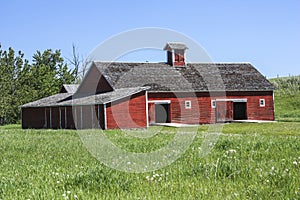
(262, 102)
(213, 103)
(188, 105)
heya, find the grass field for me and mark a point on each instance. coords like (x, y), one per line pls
(249, 161)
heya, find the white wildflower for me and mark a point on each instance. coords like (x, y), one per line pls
(68, 192)
(231, 151)
(58, 182)
(272, 168)
(75, 196)
(295, 163)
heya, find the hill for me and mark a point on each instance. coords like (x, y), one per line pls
(287, 98)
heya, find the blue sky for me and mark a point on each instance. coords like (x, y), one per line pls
(265, 33)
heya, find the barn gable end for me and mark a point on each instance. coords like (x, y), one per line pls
(93, 83)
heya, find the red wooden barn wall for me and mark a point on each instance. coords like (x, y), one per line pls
(128, 112)
(131, 112)
(254, 111)
(203, 112)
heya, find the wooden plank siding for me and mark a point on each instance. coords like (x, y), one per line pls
(65, 117)
(33, 117)
(202, 112)
(129, 112)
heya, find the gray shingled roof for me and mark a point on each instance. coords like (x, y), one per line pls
(66, 99)
(175, 45)
(195, 77)
(69, 88)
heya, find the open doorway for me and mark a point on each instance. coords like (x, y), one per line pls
(162, 113)
(239, 110)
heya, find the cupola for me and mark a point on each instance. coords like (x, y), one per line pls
(176, 53)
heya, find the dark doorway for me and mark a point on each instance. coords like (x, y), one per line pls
(162, 113)
(239, 110)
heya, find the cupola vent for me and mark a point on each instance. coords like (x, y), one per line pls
(176, 53)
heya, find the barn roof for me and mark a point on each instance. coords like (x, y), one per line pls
(195, 77)
(69, 88)
(67, 99)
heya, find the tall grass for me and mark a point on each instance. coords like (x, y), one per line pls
(287, 98)
(287, 86)
(249, 161)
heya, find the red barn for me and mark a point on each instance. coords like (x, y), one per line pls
(134, 95)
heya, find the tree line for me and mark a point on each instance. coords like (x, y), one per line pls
(22, 82)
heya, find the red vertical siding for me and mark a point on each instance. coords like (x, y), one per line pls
(151, 113)
(127, 113)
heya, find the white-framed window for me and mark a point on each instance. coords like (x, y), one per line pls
(262, 102)
(188, 104)
(213, 103)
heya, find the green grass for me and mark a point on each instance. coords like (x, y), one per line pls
(287, 98)
(249, 161)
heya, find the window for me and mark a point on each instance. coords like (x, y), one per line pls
(262, 102)
(213, 103)
(188, 105)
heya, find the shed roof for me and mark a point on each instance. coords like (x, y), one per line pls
(67, 99)
(195, 77)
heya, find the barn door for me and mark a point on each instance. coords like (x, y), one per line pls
(162, 113)
(224, 111)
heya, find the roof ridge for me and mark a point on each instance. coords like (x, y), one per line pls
(129, 62)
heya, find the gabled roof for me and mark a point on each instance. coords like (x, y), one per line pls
(69, 88)
(175, 45)
(195, 77)
(66, 99)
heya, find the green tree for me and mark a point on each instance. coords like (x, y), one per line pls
(49, 72)
(21, 82)
(11, 66)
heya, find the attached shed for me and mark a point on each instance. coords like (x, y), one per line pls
(103, 111)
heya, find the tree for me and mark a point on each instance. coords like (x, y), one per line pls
(11, 67)
(80, 66)
(76, 62)
(21, 82)
(50, 72)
